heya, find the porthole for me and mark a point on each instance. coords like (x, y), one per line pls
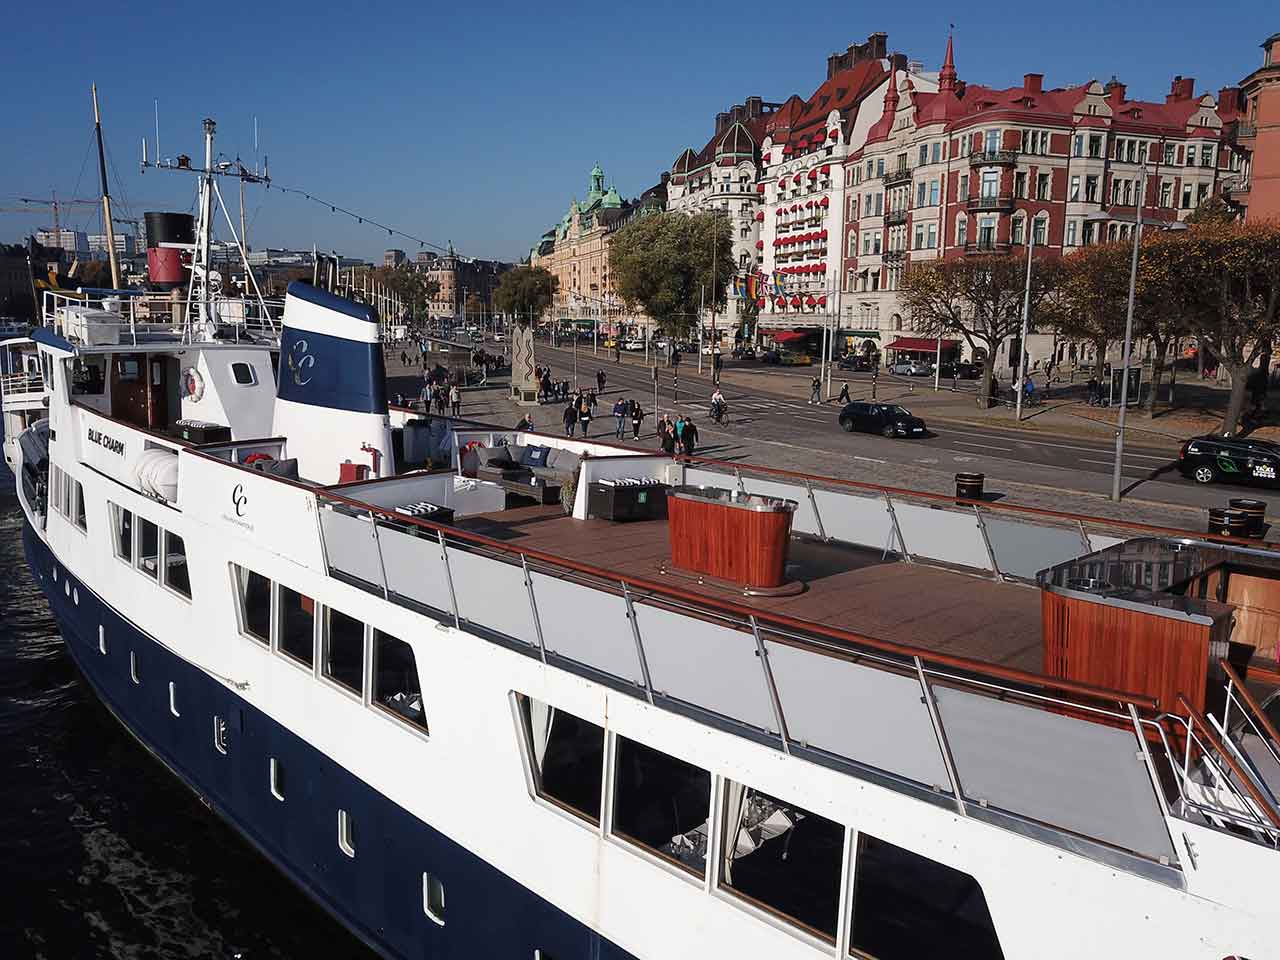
(55, 573)
(66, 587)
(75, 596)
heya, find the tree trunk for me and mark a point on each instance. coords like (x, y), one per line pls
(1235, 405)
(1157, 373)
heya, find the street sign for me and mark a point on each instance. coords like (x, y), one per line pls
(1117, 386)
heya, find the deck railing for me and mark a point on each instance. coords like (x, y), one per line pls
(144, 314)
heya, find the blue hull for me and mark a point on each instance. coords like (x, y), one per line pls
(378, 894)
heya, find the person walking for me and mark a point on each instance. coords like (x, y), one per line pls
(667, 436)
(689, 437)
(678, 429)
(637, 418)
(455, 400)
(619, 417)
(584, 415)
(844, 393)
(815, 390)
(570, 419)
(526, 423)
(600, 380)
(404, 359)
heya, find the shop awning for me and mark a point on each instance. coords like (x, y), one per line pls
(787, 336)
(921, 343)
(864, 334)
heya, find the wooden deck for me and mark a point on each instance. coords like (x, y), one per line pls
(846, 587)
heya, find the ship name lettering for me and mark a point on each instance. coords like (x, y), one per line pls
(107, 443)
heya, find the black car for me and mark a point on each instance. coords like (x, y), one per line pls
(857, 364)
(1212, 459)
(886, 419)
(961, 371)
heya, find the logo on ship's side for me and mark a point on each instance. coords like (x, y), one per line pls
(300, 362)
(238, 499)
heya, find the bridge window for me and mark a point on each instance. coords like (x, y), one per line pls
(907, 906)
(255, 604)
(176, 575)
(343, 660)
(297, 625)
(566, 755)
(662, 804)
(783, 859)
(395, 680)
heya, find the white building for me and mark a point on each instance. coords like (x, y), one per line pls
(125, 244)
(72, 241)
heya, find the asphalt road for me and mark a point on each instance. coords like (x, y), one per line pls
(768, 412)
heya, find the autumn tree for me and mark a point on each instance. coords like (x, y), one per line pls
(671, 264)
(978, 298)
(414, 289)
(1090, 300)
(525, 292)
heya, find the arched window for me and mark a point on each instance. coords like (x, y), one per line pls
(897, 321)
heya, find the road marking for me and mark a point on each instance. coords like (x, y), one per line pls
(1112, 463)
(1046, 443)
(984, 446)
(870, 459)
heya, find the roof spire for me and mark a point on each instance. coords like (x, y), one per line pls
(891, 95)
(947, 76)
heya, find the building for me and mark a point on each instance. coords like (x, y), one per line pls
(576, 252)
(955, 170)
(394, 258)
(75, 242)
(126, 245)
(465, 284)
(1253, 185)
(724, 176)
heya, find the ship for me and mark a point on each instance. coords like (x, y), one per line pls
(482, 692)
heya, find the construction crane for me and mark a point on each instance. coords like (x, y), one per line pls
(55, 205)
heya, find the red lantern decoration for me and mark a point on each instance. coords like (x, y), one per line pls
(826, 169)
(795, 301)
(813, 174)
(759, 188)
(822, 300)
(824, 202)
(759, 244)
(811, 302)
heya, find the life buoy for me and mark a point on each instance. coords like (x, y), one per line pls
(192, 384)
(253, 458)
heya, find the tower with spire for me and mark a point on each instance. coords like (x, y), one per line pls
(947, 76)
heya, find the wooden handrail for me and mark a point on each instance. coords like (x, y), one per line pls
(1198, 722)
(1249, 700)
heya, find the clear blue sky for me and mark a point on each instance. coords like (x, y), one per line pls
(476, 124)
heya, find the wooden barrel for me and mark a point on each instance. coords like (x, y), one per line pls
(1255, 512)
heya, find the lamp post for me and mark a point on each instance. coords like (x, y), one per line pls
(1026, 310)
(1128, 338)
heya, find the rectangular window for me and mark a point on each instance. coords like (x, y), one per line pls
(879, 203)
(782, 858)
(244, 374)
(907, 906)
(1166, 194)
(343, 660)
(921, 189)
(1191, 155)
(122, 526)
(919, 236)
(297, 625)
(962, 232)
(662, 804)
(992, 141)
(1016, 230)
(880, 167)
(176, 575)
(1095, 145)
(866, 243)
(990, 183)
(933, 193)
(1168, 153)
(77, 505)
(1091, 189)
(1077, 145)
(255, 604)
(1186, 197)
(1206, 156)
(867, 207)
(937, 151)
(1075, 189)
(963, 187)
(932, 238)
(566, 755)
(148, 548)
(1040, 231)
(1042, 186)
(1071, 234)
(875, 242)
(395, 679)
(924, 153)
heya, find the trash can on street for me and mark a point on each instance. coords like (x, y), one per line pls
(1225, 522)
(969, 486)
(1255, 512)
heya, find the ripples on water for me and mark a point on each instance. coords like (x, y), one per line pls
(103, 853)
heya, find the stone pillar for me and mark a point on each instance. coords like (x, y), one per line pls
(524, 384)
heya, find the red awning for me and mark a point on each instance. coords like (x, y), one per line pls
(811, 302)
(813, 174)
(778, 212)
(760, 215)
(781, 301)
(826, 168)
(822, 234)
(795, 302)
(822, 300)
(759, 188)
(824, 202)
(787, 336)
(795, 207)
(921, 343)
(786, 148)
(808, 203)
(820, 135)
(760, 303)
(796, 178)
(759, 244)
(765, 158)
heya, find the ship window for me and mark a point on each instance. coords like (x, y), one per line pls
(255, 604)
(395, 679)
(297, 625)
(343, 659)
(346, 833)
(148, 547)
(277, 779)
(906, 906)
(567, 757)
(176, 575)
(77, 505)
(433, 898)
(244, 374)
(782, 858)
(87, 376)
(663, 804)
(122, 524)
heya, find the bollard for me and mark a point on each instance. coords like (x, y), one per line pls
(1225, 522)
(1255, 512)
(969, 486)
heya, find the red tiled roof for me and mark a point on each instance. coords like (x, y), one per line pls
(843, 92)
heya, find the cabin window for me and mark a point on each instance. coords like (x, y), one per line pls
(662, 804)
(176, 575)
(297, 625)
(255, 604)
(122, 524)
(88, 376)
(567, 757)
(244, 374)
(395, 679)
(128, 370)
(907, 906)
(343, 660)
(77, 505)
(433, 898)
(782, 858)
(148, 547)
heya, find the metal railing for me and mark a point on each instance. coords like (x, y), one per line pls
(892, 217)
(987, 246)
(897, 175)
(149, 314)
(993, 156)
(25, 382)
(989, 203)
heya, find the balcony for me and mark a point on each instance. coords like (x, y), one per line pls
(894, 177)
(1246, 131)
(894, 256)
(993, 158)
(976, 204)
(986, 246)
(893, 217)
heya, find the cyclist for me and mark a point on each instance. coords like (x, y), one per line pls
(718, 406)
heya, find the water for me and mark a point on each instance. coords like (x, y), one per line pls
(103, 853)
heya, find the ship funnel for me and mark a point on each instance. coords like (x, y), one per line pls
(331, 398)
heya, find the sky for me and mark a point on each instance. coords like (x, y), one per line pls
(476, 125)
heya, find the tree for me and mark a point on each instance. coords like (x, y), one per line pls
(524, 292)
(671, 264)
(415, 290)
(978, 298)
(1091, 298)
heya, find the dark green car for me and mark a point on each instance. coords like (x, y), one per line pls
(1213, 459)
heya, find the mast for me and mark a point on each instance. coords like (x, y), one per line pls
(106, 196)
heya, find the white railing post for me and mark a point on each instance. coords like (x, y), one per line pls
(448, 576)
(775, 700)
(935, 718)
(533, 607)
(635, 632)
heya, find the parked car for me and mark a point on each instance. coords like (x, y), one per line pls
(911, 368)
(633, 344)
(477, 336)
(856, 363)
(744, 352)
(1211, 459)
(886, 419)
(790, 358)
(500, 336)
(962, 371)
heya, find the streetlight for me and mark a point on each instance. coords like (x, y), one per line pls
(1128, 338)
(1026, 310)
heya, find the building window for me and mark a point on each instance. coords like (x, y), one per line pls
(1042, 186)
(297, 625)
(1191, 155)
(1040, 231)
(931, 240)
(1186, 197)
(906, 905)
(963, 187)
(346, 834)
(921, 194)
(343, 660)
(919, 236)
(852, 246)
(875, 241)
(1095, 145)
(933, 193)
(1075, 189)
(987, 232)
(433, 898)
(176, 575)
(879, 203)
(992, 141)
(962, 232)
(122, 524)
(1077, 145)
(782, 858)
(566, 757)
(662, 804)
(1017, 230)
(880, 167)
(990, 183)
(1071, 233)
(924, 154)
(1091, 189)
(1168, 154)
(148, 548)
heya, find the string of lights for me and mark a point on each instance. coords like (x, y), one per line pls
(359, 218)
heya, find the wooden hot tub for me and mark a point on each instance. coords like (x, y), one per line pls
(738, 537)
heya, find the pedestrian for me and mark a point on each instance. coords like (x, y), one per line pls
(844, 393)
(815, 390)
(619, 417)
(570, 419)
(593, 400)
(667, 436)
(455, 400)
(689, 437)
(1092, 386)
(600, 379)
(404, 359)
(678, 429)
(584, 415)
(637, 417)
(526, 423)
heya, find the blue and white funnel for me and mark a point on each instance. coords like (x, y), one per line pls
(331, 399)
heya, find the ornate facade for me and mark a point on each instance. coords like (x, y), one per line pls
(465, 284)
(1253, 185)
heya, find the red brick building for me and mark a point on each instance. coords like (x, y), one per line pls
(1254, 186)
